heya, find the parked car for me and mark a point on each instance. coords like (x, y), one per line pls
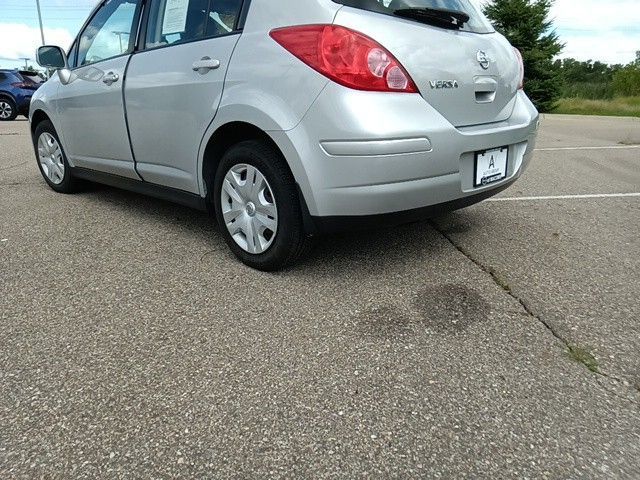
(16, 90)
(288, 118)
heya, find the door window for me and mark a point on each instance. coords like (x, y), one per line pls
(179, 21)
(72, 56)
(110, 33)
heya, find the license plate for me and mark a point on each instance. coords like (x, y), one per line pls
(491, 166)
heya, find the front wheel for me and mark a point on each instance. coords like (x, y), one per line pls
(257, 207)
(52, 161)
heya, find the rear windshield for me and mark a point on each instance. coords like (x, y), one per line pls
(10, 76)
(477, 23)
(30, 77)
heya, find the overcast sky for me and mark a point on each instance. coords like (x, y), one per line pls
(606, 30)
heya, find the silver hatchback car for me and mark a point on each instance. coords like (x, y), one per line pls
(287, 118)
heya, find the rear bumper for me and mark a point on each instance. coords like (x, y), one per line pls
(363, 154)
(334, 224)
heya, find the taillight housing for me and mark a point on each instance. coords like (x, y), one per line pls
(521, 66)
(20, 85)
(347, 57)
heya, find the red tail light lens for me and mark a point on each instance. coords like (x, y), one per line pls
(346, 57)
(521, 65)
(20, 85)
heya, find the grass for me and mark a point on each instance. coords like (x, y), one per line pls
(502, 283)
(583, 356)
(617, 107)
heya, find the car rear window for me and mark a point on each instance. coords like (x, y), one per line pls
(29, 77)
(9, 77)
(477, 23)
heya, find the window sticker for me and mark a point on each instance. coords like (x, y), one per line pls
(175, 16)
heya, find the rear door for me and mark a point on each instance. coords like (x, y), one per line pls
(91, 108)
(174, 86)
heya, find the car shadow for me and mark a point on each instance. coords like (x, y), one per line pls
(365, 251)
(374, 252)
(165, 214)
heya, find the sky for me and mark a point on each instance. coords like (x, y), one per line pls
(605, 30)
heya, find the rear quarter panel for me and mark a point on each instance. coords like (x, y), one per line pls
(266, 86)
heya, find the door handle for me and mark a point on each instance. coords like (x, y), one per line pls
(205, 64)
(111, 78)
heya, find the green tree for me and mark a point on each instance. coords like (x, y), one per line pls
(626, 82)
(590, 80)
(527, 25)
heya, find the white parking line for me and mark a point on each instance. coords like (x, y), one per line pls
(564, 197)
(603, 147)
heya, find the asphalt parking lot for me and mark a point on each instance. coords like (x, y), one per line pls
(500, 341)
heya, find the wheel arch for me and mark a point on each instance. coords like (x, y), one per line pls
(223, 138)
(234, 132)
(8, 95)
(11, 100)
(37, 117)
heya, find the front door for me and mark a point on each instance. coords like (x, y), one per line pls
(175, 84)
(91, 105)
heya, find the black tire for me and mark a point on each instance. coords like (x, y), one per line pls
(9, 104)
(290, 240)
(69, 184)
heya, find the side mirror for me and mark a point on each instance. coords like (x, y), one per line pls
(50, 56)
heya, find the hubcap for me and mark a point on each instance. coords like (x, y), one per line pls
(50, 157)
(5, 110)
(249, 209)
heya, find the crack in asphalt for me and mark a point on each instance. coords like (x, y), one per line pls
(504, 286)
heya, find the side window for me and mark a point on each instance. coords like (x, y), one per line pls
(3, 77)
(179, 21)
(110, 33)
(223, 16)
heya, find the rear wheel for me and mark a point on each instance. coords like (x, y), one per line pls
(257, 207)
(52, 161)
(8, 109)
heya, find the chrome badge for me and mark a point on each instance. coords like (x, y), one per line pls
(483, 59)
(443, 84)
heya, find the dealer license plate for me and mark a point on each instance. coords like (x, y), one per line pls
(491, 166)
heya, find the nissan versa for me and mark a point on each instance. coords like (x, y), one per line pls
(287, 118)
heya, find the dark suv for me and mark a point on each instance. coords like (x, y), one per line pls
(16, 89)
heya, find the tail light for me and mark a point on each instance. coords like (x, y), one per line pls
(346, 57)
(521, 65)
(21, 85)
